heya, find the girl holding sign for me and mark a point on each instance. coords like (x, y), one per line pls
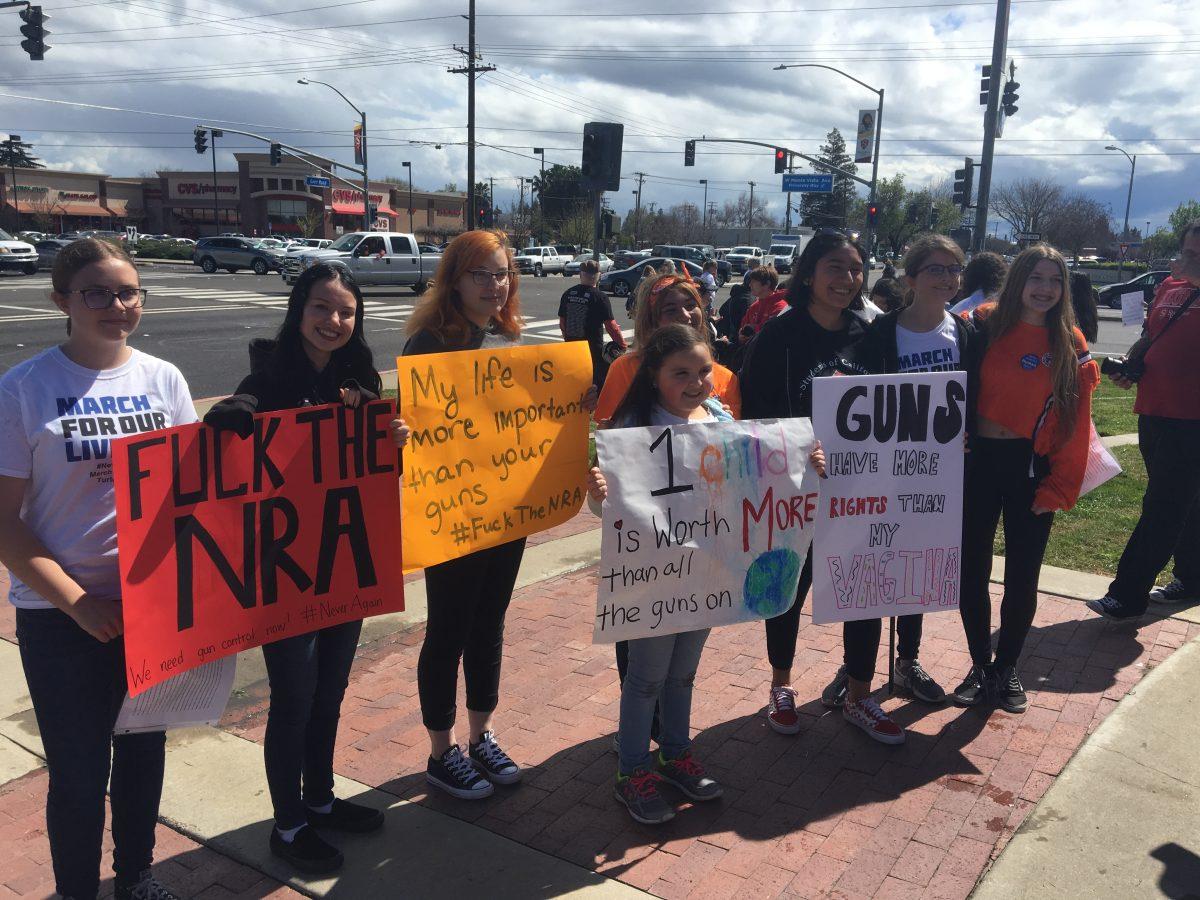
(1028, 454)
(921, 336)
(59, 412)
(825, 293)
(319, 356)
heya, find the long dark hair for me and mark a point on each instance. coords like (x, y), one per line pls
(1083, 299)
(639, 401)
(354, 360)
(799, 293)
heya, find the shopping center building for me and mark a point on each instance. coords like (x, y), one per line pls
(295, 198)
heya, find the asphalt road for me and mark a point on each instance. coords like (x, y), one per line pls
(203, 323)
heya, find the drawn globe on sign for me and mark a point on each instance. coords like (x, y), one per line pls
(770, 583)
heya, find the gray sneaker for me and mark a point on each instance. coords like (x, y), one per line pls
(639, 792)
(689, 776)
(911, 677)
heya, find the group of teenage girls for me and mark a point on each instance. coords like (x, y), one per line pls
(1030, 381)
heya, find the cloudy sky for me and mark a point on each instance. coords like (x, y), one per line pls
(1092, 73)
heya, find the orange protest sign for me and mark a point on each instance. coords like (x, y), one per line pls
(498, 448)
(228, 543)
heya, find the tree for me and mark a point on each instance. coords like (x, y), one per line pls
(1075, 222)
(1025, 204)
(310, 222)
(1185, 213)
(18, 154)
(450, 187)
(831, 209)
(562, 193)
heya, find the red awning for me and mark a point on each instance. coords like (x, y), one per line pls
(355, 209)
(81, 209)
(119, 208)
(385, 210)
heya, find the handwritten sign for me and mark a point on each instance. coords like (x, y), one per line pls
(498, 449)
(705, 524)
(1133, 309)
(889, 533)
(226, 544)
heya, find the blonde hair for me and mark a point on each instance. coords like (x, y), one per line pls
(440, 310)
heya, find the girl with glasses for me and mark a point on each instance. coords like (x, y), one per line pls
(59, 413)
(921, 336)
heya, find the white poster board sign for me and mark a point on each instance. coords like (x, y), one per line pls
(704, 525)
(194, 697)
(1133, 309)
(889, 529)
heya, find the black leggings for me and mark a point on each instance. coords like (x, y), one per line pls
(860, 639)
(467, 600)
(998, 480)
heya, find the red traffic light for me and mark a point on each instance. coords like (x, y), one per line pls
(780, 160)
(872, 214)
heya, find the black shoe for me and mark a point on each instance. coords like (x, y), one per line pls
(455, 775)
(834, 695)
(1173, 593)
(1010, 693)
(307, 851)
(973, 690)
(910, 676)
(493, 762)
(145, 888)
(347, 816)
(1112, 608)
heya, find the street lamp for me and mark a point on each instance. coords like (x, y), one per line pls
(878, 131)
(637, 215)
(363, 117)
(704, 220)
(1128, 200)
(408, 165)
(541, 151)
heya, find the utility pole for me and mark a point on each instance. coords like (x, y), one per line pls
(471, 70)
(704, 211)
(216, 133)
(787, 218)
(541, 151)
(637, 212)
(990, 121)
(492, 200)
(750, 214)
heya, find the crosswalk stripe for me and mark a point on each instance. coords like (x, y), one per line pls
(540, 323)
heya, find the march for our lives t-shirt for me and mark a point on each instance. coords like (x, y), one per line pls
(928, 351)
(57, 424)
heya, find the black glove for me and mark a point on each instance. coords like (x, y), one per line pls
(234, 414)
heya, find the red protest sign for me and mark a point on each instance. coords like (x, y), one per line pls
(228, 543)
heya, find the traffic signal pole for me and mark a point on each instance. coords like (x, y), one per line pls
(871, 201)
(990, 122)
(214, 133)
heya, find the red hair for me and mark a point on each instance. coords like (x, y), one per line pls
(440, 310)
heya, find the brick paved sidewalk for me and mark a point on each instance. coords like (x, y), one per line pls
(827, 812)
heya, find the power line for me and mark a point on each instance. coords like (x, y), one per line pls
(675, 13)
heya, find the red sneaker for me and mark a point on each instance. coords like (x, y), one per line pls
(781, 710)
(867, 715)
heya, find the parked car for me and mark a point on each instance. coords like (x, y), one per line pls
(234, 253)
(429, 248)
(623, 259)
(272, 244)
(1110, 295)
(540, 261)
(30, 237)
(47, 251)
(624, 282)
(739, 258)
(372, 257)
(571, 269)
(697, 254)
(17, 256)
(300, 245)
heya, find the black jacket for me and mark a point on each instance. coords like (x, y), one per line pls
(877, 354)
(784, 358)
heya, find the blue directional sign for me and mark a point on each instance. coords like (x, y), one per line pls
(314, 181)
(808, 184)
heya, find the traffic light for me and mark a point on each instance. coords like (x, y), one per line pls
(985, 85)
(601, 168)
(872, 214)
(201, 138)
(591, 142)
(914, 213)
(483, 218)
(1009, 101)
(689, 153)
(963, 179)
(606, 224)
(276, 154)
(780, 160)
(35, 32)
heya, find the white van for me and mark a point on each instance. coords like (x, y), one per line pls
(17, 255)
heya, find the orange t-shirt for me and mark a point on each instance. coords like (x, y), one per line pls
(624, 368)
(1014, 387)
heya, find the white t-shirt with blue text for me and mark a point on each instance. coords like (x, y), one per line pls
(57, 424)
(928, 351)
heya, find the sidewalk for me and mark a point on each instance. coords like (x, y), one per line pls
(826, 813)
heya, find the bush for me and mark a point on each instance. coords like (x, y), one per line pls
(164, 250)
(1136, 268)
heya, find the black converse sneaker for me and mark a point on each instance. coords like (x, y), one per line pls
(1111, 608)
(1010, 693)
(455, 775)
(1174, 593)
(146, 887)
(493, 762)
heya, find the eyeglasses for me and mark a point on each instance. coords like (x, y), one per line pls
(483, 278)
(103, 298)
(937, 271)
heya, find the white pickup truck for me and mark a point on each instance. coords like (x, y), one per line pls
(17, 255)
(739, 258)
(540, 261)
(373, 258)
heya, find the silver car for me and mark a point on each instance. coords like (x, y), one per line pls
(233, 253)
(571, 269)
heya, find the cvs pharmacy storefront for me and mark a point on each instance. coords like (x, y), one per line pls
(348, 209)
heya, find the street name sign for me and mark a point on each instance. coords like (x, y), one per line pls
(808, 184)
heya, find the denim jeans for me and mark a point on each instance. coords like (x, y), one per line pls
(661, 669)
(77, 685)
(308, 675)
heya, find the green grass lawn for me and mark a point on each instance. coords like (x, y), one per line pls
(1112, 409)
(1090, 537)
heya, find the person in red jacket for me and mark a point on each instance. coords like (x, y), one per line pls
(1168, 408)
(1026, 459)
(769, 302)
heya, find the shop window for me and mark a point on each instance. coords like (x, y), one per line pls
(272, 184)
(286, 184)
(256, 185)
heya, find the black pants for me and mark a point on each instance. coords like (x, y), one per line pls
(857, 636)
(77, 685)
(998, 480)
(1170, 522)
(308, 675)
(467, 599)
